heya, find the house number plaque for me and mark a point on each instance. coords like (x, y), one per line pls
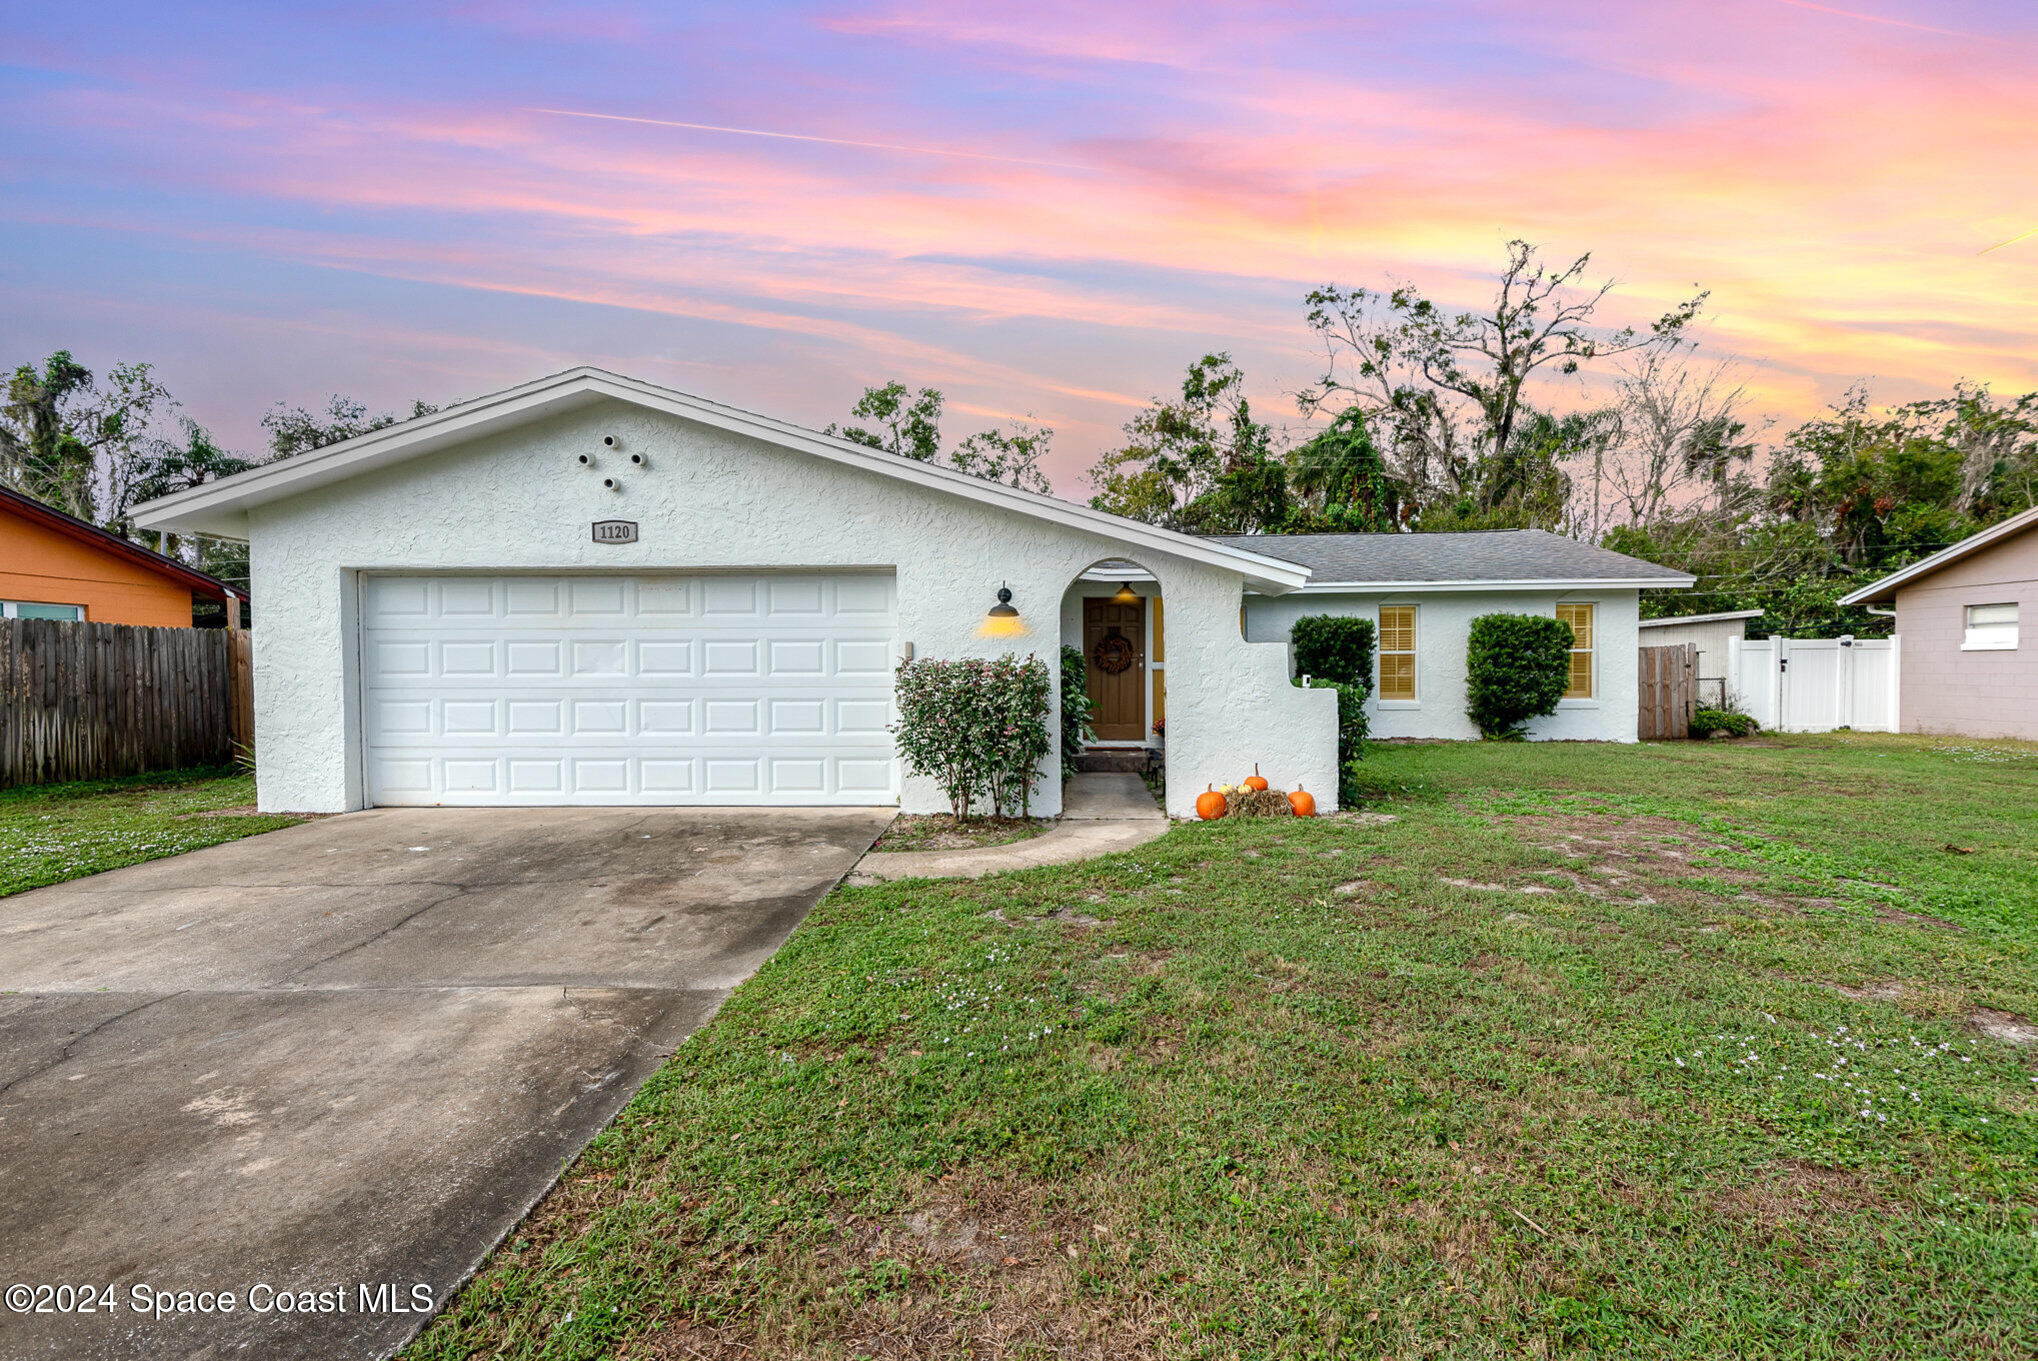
(615, 531)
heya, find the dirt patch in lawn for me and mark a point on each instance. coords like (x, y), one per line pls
(2001, 1025)
(1633, 859)
(941, 832)
(978, 1265)
(1799, 1191)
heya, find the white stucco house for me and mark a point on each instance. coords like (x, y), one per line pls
(594, 590)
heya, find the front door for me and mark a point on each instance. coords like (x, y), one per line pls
(1114, 643)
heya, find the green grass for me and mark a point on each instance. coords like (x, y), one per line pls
(1294, 1094)
(50, 833)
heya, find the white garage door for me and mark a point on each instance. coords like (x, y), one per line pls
(766, 688)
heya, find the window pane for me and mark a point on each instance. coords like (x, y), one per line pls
(1397, 675)
(1979, 615)
(1581, 677)
(26, 610)
(1579, 617)
(1397, 628)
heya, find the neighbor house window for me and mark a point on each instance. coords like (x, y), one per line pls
(1579, 617)
(29, 609)
(1990, 628)
(1397, 652)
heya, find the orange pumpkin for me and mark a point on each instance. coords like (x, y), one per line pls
(1303, 803)
(1255, 780)
(1210, 805)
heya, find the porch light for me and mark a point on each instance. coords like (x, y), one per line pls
(1126, 595)
(1003, 619)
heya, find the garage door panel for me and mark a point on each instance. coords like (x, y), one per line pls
(770, 688)
(666, 657)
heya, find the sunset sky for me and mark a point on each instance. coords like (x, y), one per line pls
(1044, 209)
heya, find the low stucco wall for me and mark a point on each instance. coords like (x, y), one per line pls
(710, 499)
(1443, 627)
(1975, 694)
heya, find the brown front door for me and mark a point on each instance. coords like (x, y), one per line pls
(1114, 642)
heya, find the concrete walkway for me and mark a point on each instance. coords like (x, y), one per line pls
(1101, 813)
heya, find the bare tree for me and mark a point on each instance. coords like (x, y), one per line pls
(1451, 388)
(1680, 434)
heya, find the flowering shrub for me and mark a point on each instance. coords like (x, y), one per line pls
(978, 727)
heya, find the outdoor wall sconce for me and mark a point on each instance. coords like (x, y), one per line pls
(1003, 619)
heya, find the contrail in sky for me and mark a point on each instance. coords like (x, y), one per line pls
(2011, 242)
(802, 137)
(1877, 19)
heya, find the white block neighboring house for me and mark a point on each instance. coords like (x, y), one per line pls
(593, 590)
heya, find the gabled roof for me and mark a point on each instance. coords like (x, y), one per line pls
(1438, 561)
(71, 527)
(220, 508)
(1722, 617)
(1877, 592)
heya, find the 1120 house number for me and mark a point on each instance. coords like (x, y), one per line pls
(615, 531)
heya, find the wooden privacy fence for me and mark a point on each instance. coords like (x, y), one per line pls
(83, 701)
(1669, 680)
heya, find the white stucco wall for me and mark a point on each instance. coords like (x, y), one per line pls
(710, 499)
(1443, 626)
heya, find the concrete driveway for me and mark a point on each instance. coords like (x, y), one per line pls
(352, 1053)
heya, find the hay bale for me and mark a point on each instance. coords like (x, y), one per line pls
(1258, 803)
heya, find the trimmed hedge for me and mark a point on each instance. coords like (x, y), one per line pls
(1517, 666)
(1334, 647)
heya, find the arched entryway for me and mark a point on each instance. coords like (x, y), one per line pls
(1114, 616)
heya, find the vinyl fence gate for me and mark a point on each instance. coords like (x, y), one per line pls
(1816, 684)
(1669, 680)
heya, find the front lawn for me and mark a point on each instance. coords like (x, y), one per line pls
(49, 833)
(1685, 1050)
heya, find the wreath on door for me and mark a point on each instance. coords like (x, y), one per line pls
(1113, 653)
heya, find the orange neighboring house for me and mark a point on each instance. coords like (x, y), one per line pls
(53, 566)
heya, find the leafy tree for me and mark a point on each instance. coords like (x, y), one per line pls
(1201, 462)
(62, 432)
(163, 467)
(902, 422)
(908, 424)
(299, 430)
(1342, 482)
(1452, 388)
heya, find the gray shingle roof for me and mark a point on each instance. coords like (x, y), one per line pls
(1467, 555)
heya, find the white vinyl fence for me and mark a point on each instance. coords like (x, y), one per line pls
(1816, 684)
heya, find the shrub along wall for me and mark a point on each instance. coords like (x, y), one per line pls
(1336, 652)
(1076, 706)
(1334, 647)
(977, 727)
(1517, 667)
